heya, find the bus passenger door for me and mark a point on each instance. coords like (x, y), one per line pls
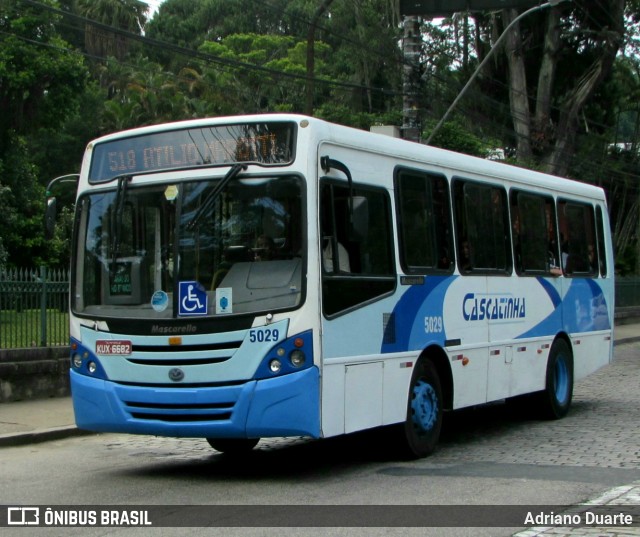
(358, 280)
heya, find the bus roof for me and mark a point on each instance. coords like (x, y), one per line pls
(407, 151)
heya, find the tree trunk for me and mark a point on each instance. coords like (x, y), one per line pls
(611, 38)
(518, 95)
(542, 134)
(559, 160)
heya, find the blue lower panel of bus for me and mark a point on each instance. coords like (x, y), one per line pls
(282, 406)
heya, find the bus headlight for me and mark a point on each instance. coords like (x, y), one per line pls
(291, 355)
(84, 362)
(297, 358)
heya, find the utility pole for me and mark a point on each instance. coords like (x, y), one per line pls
(311, 58)
(411, 45)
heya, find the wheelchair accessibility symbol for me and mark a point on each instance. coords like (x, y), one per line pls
(193, 299)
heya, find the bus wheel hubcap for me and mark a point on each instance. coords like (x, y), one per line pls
(561, 380)
(424, 406)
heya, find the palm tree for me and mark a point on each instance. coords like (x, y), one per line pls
(128, 15)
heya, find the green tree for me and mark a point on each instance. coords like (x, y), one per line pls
(364, 36)
(39, 74)
(550, 70)
(143, 93)
(41, 78)
(101, 42)
(356, 44)
(456, 137)
(268, 87)
(567, 80)
(22, 206)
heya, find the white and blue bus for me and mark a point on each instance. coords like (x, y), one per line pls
(277, 275)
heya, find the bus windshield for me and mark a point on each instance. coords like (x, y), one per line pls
(143, 253)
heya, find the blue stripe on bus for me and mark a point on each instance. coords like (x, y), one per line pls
(583, 309)
(418, 305)
(551, 291)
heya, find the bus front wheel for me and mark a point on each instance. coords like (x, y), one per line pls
(233, 445)
(554, 401)
(420, 432)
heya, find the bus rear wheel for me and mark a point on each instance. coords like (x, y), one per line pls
(233, 445)
(554, 401)
(420, 432)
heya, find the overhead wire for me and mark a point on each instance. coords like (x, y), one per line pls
(227, 64)
(195, 54)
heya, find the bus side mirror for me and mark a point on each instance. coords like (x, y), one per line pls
(50, 214)
(51, 210)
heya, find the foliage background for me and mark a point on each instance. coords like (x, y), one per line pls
(72, 70)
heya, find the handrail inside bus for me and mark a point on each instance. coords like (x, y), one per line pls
(358, 212)
(327, 164)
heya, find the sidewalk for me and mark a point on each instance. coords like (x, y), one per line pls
(26, 422)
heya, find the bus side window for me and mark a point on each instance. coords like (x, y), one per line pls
(482, 228)
(602, 253)
(578, 239)
(357, 264)
(424, 222)
(534, 236)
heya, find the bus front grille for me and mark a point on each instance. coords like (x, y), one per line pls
(226, 346)
(180, 412)
(183, 355)
(175, 361)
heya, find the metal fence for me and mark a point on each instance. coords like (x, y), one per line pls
(34, 307)
(628, 292)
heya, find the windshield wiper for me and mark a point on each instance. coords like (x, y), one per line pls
(213, 195)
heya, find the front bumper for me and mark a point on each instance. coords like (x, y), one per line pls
(283, 406)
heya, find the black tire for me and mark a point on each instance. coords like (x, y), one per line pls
(233, 446)
(555, 400)
(420, 432)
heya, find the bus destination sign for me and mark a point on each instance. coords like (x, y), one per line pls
(266, 143)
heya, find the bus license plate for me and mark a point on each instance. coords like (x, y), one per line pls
(117, 347)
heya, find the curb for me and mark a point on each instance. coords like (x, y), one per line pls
(43, 435)
(624, 341)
